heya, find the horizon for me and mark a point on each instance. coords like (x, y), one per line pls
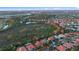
(36, 8)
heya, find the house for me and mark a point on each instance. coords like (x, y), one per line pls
(60, 48)
(51, 38)
(30, 47)
(77, 40)
(43, 41)
(38, 44)
(60, 36)
(75, 43)
(68, 45)
(21, 49)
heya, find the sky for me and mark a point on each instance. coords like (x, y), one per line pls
(30, 4)
(38, 3)
(37, 8)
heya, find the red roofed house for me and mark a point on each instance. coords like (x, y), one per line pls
(68, 45)
(62, 35)
(43, 41)
(75, 43)
(38, 43)
(21, 49)
(77, 40)
(60, 48)
(50, 38)
(30, 47)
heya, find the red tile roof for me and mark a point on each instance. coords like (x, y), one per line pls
(77, 40)
(42, 42)
(30, 47)
(37, 44)
(60, 48)
(50, 38)
(68, 45)
(63, 35)
(21, 49)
